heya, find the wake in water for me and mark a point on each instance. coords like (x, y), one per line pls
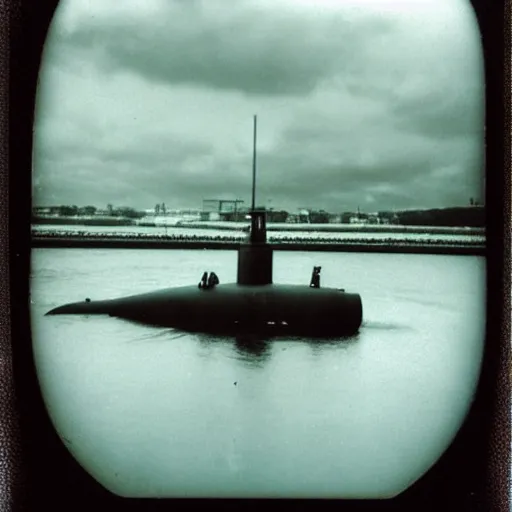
(385, 326)
(158, 335)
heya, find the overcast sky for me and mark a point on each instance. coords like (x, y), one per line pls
(376, 104)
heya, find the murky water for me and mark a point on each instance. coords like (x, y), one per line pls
(158, 412)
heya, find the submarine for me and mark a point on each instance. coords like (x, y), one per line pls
(253, 304)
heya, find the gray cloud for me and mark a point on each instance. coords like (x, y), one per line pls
(153, 104)
(237, 45)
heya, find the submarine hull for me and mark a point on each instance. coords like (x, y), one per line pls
(290, 309)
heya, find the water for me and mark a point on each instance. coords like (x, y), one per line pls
(157, 412)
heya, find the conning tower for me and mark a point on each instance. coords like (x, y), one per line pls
(255, 255)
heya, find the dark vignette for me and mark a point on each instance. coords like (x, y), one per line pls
(36, 471)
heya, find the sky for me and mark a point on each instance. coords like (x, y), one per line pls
(376, 104)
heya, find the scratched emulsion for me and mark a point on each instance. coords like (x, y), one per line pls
(158, 412)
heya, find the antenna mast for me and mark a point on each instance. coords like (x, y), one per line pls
(255, 256)
(254, 167)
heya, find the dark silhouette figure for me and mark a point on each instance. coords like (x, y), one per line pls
(208, 281)
(203, 282)
(315, 278)
(213, 280)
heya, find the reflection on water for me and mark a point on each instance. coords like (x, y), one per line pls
(247, 348)
(387, 326)
(255, 349)
(252, 349)
(158, 335)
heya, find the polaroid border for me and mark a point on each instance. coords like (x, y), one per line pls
(35, 468)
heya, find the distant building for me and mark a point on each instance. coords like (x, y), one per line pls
(303, 216)
(189, 214)
(358, 219)
(345, 217)
(45, 210)
(388, 217)
(293, 218)
(223, 209)
(318, 217)
(277, 216)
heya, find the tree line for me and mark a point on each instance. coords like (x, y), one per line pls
(471, 216)
(73, 211)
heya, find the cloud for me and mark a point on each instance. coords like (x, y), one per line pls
(361, 105)
(247, 46)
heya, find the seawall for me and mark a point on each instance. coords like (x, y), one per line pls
(147, 242)
(338, 228)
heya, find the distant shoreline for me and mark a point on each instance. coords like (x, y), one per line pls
(377, 246)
